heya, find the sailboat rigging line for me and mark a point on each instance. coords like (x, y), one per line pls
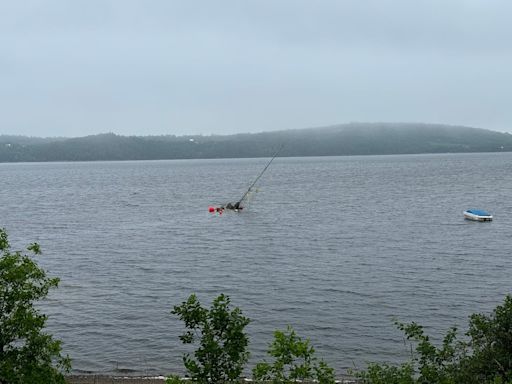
(261, 174)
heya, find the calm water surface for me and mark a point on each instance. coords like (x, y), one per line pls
(336, 247)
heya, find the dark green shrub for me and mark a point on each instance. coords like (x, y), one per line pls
(173, 379)
(387, 374)
(27, 354)
(491, 344)
(294, 360)
(485, 357)
(222, 352)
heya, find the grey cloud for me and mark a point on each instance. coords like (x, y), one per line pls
(133, 67)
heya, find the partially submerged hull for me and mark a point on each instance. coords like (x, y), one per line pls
(477, 215)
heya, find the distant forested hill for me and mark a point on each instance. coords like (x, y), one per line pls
(340, 140)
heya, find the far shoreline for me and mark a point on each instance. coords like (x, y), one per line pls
(97, 161)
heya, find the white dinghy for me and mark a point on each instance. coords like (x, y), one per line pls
(477, 215)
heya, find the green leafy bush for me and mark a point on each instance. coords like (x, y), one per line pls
(222, 352)
(294, 360)
(173, 379)
(491, 344)
(484, 357)
(27, 354)
(387, 374)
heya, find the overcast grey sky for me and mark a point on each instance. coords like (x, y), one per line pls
(73, 68)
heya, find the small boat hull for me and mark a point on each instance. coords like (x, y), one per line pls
(477, 215)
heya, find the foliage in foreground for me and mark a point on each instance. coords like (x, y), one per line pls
(484, 357)
(27, 354)
(222, 352)
(294, 360)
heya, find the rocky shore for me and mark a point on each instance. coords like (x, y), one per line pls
(102, 379)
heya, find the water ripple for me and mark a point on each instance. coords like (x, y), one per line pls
(336, 247)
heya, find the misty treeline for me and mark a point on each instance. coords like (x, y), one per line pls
(340, 140)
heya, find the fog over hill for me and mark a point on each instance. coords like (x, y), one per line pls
(338, 140)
